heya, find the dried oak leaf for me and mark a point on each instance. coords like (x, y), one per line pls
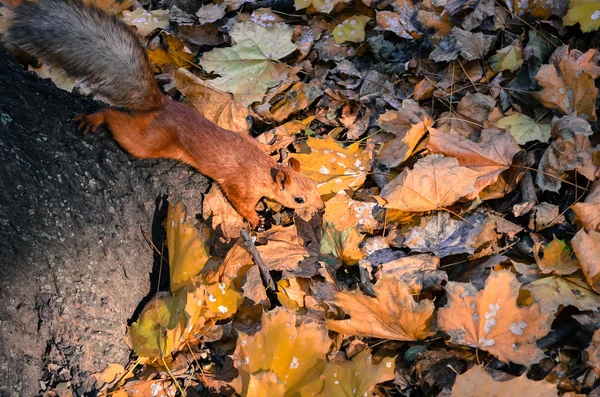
(186, 239)
(524, 128)
(588, 212)
(558, 258)
(587, 249)
(408, 124)
(332, 167)
(593, 352)
(434, 183)
(477, 382)
(489, 157)
(443, 236)
(568, 82)
(554, 291)
(570, 150)
(356, 377)
(218, 107)
(295, 355)
(490, 319)
(391, 314)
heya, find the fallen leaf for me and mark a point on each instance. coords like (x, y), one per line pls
(545, 215)
(146, 22)
(250, 67)
(343, 212)
(340, 246)
(169, 53)
(210, 13)
(584, 12)
(488, 157)
(217, 208)
(221, 299)
(443, 236)
(508, 58)
(587, 249)
(554, 291)
(284, 249)
(472, 45)
(468, 119)
(325, 6)
(524, 128)
(219, 107)
(332, 167)
(568, 83)
(434, 183)
(593, 352)
(186, 240)
(399, 23)
(477, 382)
(351, 30)
(570, 150)
(490, 319)
(391, 314)
(294, 354)
(353, 378)
(588, 212)
(419, 272)
(557, 258)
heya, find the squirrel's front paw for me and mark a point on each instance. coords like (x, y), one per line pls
(89, 122)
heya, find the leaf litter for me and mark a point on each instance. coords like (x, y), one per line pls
(456, 148)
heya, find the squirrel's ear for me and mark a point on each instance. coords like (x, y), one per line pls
(279, 177)
(295, 164)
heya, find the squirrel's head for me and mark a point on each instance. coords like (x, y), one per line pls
(294, 190)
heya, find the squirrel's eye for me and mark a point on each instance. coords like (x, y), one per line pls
(299, 200)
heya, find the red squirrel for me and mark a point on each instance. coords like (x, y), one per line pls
(104, 53)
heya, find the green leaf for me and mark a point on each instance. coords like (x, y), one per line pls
(352, 29)
(249, 67)
(584, 12)
(524, 128)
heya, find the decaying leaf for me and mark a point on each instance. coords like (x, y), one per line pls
(419, 272)
(325, 6)
(587, 249)
(249, 67)
(332, 167)
(284, 249)
(340, 246)
(557, 258)
(508, 58)
(568, 83)
(593, 352)
(352, 29)
(588, 211)
(434, 183)
(217, 208)
(491, 320)
(554, 291)
(146, 22)
(343, 212)
(391, 314)
(477, 382)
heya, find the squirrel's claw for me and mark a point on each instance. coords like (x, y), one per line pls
(88, 122)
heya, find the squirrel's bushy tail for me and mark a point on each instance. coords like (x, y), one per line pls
(88, 44)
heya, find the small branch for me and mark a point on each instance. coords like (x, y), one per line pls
(264, 271)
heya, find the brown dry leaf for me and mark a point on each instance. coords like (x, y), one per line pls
(399, 22)
(332, 167)
(223, 214)
(571, 149)
(491, 320)
(477, 382)
(391, 314)
(283, 135)
(545, 215)
(593, 352)
(489, 157)
(284, 249)
(408, 125)
(146, 22)
(353, 378)
(558, 258)
(552, 292)
(111, 6)
(471, 113)
(435, 182)
(291, 292)
(340, 246)
(299, 97)
(343, 212)
(294, 354)
(588, 211)
(568, 83)
(186, 239)
(325, 6)
(219, 107)
(587, 249)
(420, 272)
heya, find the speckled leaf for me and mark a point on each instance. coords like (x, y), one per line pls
(352, 30)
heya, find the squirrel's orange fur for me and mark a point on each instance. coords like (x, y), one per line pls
(101, 50)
